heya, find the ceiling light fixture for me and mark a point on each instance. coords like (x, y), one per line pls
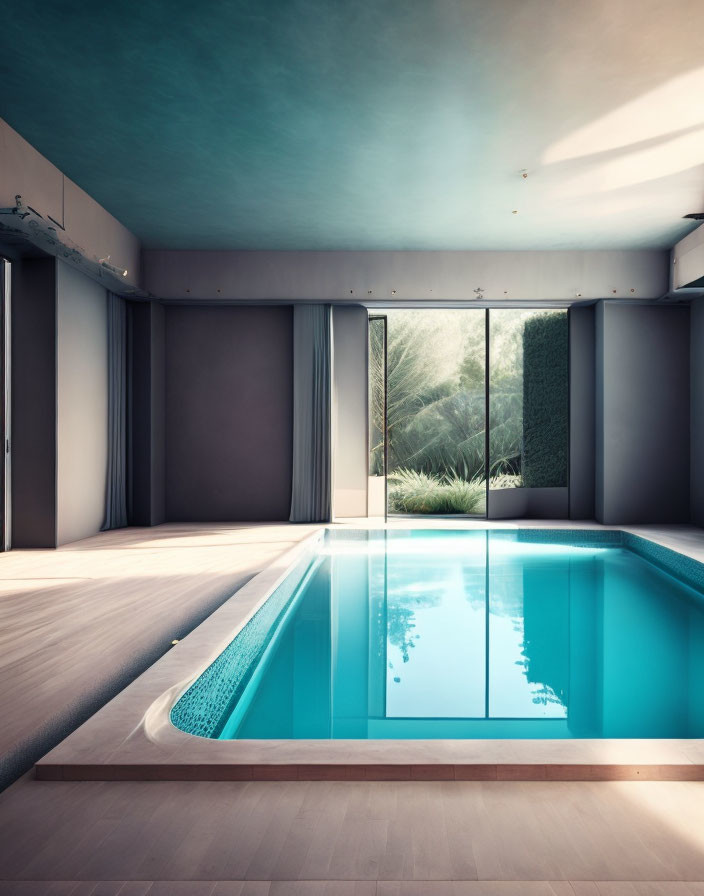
(105, 262)
(24, 221)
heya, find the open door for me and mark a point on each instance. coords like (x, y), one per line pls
(378, 449)
(428, 412)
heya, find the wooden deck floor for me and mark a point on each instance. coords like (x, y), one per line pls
(79, 623)
(73, 617)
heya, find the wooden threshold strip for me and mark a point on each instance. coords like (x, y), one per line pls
(367, 772)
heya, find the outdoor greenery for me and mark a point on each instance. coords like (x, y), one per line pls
(435, 398)
(414, 492)
(376, 397)
(435, 392)
(545, 399)
(506, 480)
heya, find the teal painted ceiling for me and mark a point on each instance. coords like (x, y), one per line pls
(376, 124)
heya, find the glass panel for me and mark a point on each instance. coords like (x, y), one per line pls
(436, 412)
(376, 501)
(528, 399)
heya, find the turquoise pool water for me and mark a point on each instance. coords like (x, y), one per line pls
(466, 634)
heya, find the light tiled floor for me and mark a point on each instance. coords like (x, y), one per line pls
(355, 831)
(494, 838)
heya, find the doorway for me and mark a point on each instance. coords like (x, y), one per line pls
(468, 412)
(428, 413)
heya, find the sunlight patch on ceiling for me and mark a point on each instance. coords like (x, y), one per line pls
(638, 166)
(672, 107)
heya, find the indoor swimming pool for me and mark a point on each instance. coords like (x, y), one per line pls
(444, 634)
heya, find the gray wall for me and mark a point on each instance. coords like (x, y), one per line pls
(643, 407)
(82, 405)
(229, 413)
(350, 441)
(599, 411)
(582, 412)
(697, 411)
(158, 415)
(34, 403)
(528, 503)
(147, 396)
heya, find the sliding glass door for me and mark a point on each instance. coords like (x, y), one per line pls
(377, 397)
(466, 404)
(427, 423)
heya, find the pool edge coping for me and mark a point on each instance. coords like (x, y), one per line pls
(132, 737)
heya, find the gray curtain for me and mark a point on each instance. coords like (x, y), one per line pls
(116, 486)
(311, 487)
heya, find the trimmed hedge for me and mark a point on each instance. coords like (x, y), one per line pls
(545, 401)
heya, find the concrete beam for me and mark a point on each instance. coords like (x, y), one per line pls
(397, 277)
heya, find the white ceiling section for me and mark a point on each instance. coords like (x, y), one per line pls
(401, 125)
(602, 103)
(643, 158)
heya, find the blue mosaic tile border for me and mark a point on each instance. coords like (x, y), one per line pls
(683, 568)
(576, 537)
(205, 706)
